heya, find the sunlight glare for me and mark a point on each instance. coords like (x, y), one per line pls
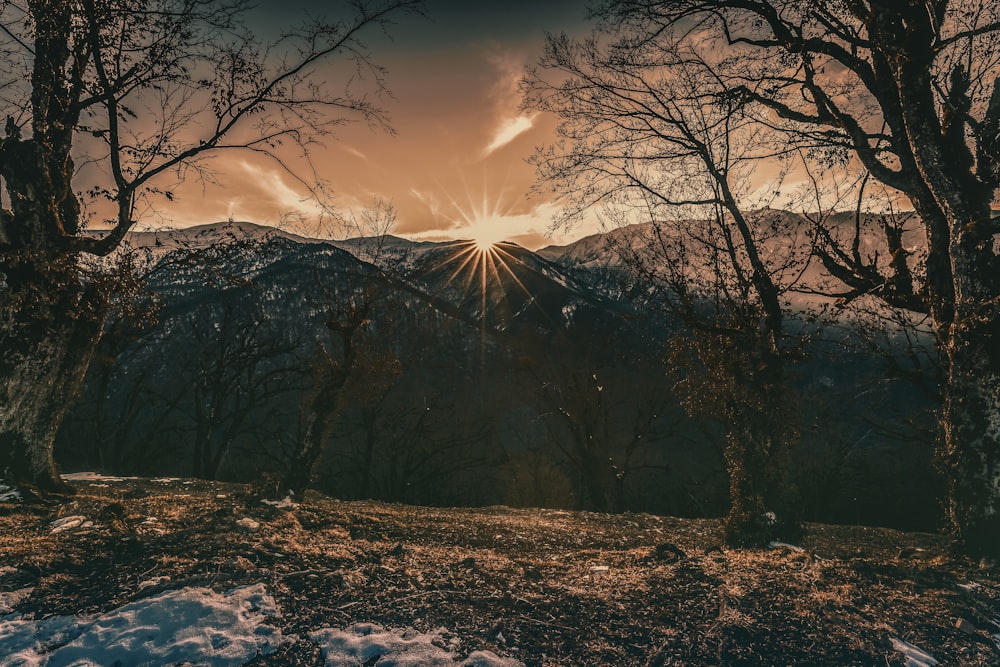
(485, 234)
(484, 266)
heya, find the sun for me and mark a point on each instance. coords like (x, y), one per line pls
(484, 219)
(485, 233)
(483, 244)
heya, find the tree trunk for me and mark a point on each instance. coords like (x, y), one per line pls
(744, 524)
(50, 322)
(969, 448)
(48, 337)
(763, 500)
(970, 415)
(594, 473)
(321, 412)
(303, 462)
(764, 503)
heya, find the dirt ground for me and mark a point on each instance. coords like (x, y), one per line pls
(546, 587)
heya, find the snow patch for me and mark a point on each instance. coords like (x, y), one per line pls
(191, 625)
(370, 644)
(10, 599)
(155, 581)
(915, 657)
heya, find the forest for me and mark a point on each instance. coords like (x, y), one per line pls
(788, 321)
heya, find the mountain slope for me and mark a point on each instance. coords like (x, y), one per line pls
(476, 371)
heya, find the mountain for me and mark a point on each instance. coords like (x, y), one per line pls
(785, 242)
(479, 376)
(504, 287)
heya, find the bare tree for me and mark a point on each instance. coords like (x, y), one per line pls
(416, 451)
(240, 373)
(143, 92)
(331, 371)
(910, 90)
(597, 425)
(649, 131)
(343, 352)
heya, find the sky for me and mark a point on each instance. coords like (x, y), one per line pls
(456, 166)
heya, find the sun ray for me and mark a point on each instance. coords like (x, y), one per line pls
(513, 276)
(465, 255)
(519, 283)
(484, 261)
(490, 258)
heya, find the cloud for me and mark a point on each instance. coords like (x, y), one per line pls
(509, 129)
(531, 228)
(355, 152)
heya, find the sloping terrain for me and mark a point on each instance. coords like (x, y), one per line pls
(544, 587)
(463, 352)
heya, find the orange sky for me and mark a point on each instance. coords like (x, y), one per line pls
(459, 153)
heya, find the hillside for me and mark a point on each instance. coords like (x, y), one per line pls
(476, 370)
(539, 587)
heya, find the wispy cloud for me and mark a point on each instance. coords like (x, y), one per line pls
(509, 129)
(356, 153)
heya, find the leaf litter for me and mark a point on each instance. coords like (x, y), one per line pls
(528, 586)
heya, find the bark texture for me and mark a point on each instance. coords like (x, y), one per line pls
(960, 184)
(48, 344)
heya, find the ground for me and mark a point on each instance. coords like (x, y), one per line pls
(545, 587)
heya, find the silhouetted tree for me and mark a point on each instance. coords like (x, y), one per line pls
(340, 352)
(422, 449)
(150, 89)
(650, 132)
(599, 424)
(910, 90)
(241, 372)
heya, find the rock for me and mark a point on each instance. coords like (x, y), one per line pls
(285, 504)
(243, 564)
(70, 523)
(248, 524)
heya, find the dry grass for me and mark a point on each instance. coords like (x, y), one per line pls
(549, 587)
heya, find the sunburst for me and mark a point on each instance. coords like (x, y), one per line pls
(479, 266)
(482, 219)
(486, 234)
(485, 267)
